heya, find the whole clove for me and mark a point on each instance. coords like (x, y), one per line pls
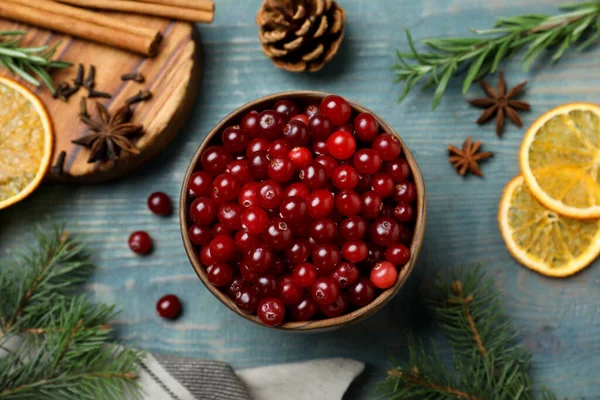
(68, 92)
(90, 80)
(59, 89)
(58, 167)
(79, 77)
(142, 95)
(83, 112)
(133, 76)
(94, 93)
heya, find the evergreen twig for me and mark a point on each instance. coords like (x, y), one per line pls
(487, 363)
(30, 63)
(480, 55)
(74, 359)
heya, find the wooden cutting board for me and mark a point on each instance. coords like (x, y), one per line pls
(173, 77)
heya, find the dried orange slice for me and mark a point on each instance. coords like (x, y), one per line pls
(543, 240)
(560, 160)
(26, 142)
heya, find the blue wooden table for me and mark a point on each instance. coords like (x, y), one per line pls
(559, 320)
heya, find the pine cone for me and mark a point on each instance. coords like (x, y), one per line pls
(300, 35)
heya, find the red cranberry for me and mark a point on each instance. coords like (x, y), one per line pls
(323, 230)
(367, 161)
(140, 242)
(248, 195)
(324, 291)
(205, 256)
(247, 300)
(298, 251)
(383, 184)
(235, 286)
(320, 203)
(200, 184)
(319, 147)
(320, 127)
(288, 292)
(353, 228)
(345, 177)
(199, 235)
(364, 183)
(271, 312)
(270, 194)
(168, 306)
(344, 128)
(336, 109)
(329, 163)
(248, 274)
(159, 203)
(250, 123)
(371, 204)
(300, 117)
(214, 160)
(220, 229)
(279, 266)
(355, 251)
(258, 164)
(245, 240)
(384, 231)
(286, 108)
(239, 169)
(404, 212)
(388, 146)
(314, 176)
(398, 169)
(281, 170)
(348, 202)
(304, 310)
(345, 274)
(305, 274)
(220, 274)
(406, 235)
(366, 127)
(222, 248)
(300, 157)
(259, 258)
(297, 189)
(376, 254)
(341, 145)
(296, 133)
(266, 286)
(226, 187)
(203, 211)
(277, 234)
(387, 211)
(384, 275)
(335, 309)
(397, 254)
(257, 144)
(235, 139)
(361, 292)
(326, 257)
(293, 209)
(270, 124)
(279, 149)
(405, 192)
(254, 220)
(229, 215)
(312, 110)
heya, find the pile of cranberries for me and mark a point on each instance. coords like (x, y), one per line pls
(302, 214)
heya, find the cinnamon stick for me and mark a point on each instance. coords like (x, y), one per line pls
(91, 17)
(30, 14)
(206, 5)
(136, 7)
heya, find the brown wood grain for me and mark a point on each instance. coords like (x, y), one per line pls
(172, 77)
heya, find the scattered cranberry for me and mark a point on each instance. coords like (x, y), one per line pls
(140, 242)
(168, 306)
(397, 254)
(384, 275)
(271, 312)
(366, 127)
(159, 203)
(336, 109)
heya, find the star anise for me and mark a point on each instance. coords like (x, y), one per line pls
(468, 158)
(500, 103)
(110, 134)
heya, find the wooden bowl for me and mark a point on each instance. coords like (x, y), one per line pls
(304, 98)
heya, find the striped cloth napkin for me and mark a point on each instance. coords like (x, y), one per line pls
(164, 377)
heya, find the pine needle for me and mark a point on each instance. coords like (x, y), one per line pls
(481, 55)
(30, 63)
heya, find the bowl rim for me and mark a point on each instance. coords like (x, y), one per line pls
(313, 325)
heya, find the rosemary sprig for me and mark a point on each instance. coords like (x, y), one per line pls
(30, 63)
(481, 55)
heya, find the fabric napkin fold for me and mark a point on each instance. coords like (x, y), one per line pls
(165, 377)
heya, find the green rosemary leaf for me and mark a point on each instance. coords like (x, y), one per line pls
(474, 69)
(14, 67)
(12, 33)
(44, 76)
(411, 44)
(437, 96)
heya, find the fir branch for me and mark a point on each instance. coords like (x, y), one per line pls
(487, 362)
(481, 55)
(30, 63)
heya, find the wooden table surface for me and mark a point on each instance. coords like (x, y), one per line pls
(559, 320)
